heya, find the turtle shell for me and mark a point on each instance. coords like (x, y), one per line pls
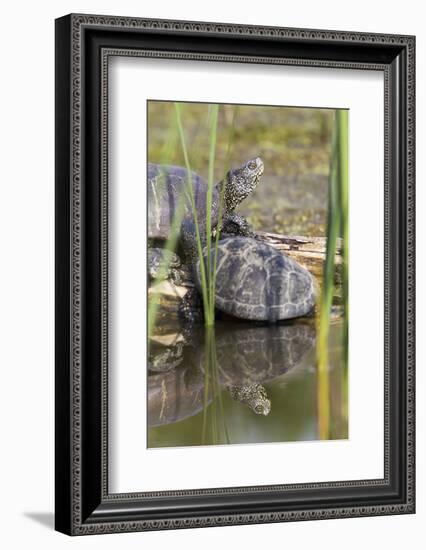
(255, 281)
(167, 189)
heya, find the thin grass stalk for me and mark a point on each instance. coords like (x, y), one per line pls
(190, 193)
(323, 331)
(213, 413)
(230, 146)
(205, 403)
(210, 357)
(209, 201)
(342, 116)
(343, 125)
(211, 339)
(210, 343)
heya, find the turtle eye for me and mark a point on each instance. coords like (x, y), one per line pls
(252, 165)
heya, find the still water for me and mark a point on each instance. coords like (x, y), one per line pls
(244, 383)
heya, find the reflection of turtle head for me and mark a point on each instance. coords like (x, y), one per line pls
(241, 181)
(253, 395)
(262, 407)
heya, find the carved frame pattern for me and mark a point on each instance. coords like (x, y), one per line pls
(70, 516)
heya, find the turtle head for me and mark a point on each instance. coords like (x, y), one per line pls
(240, 182)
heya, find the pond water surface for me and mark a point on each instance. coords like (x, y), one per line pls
(203, 388)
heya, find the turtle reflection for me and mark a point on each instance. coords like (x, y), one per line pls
(188, 372)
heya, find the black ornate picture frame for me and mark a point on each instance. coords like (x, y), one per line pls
(84, 43)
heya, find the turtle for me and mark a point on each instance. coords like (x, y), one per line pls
(163, 263)
(247, 357)
(255, 281)
(170, 206)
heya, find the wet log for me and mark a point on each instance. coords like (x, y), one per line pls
(309, 252)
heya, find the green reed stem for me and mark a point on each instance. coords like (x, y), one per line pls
(209, 200)
(205, 403)
(207, 269)
(210, 358)
(342, 116)
(230, 146)
(213, 412)
(211, 339)
(190, 193)
(343, 125)
(333, 226)
(337, 223)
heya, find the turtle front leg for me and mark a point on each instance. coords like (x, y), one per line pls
(236, 225)
(191, 308)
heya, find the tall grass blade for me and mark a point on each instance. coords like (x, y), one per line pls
(211, 339)
(209, 201)
(227, 166)
(343, 127)
(344, 213)
(323, 328)
(337, 224)
(190, 194)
